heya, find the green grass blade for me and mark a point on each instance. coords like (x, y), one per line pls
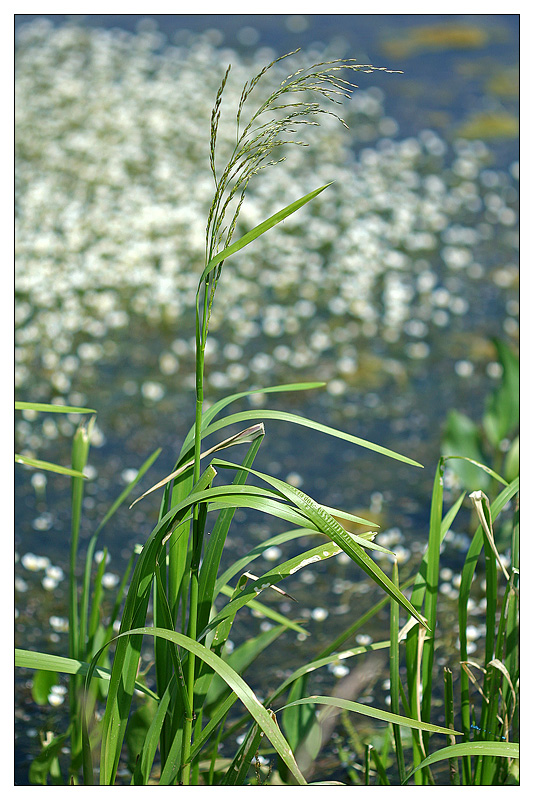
(92, 543)
(119, 595)
(172, 763)
(127, 652)
(31, 659)
(80, 455)
(48, 466)
(317, 664)
(268, 505)
(240, 563)
(214, 548)
(483, 467)
(124, 494)
(469, 567)
(217, 407)
(243, 437)
(270, 613)
(384, 781)
(323, 662)
(454, 771)
(495, 749)
(419, 590)
(337, 534)
(178, 554)
(241, 659)
(338, 514)
(394, 675)
(431, 592)
(368, 711)
(51, 407)
(511, 659)
(216, 718)
(271, 578)
(94, 619)
(284, 416)
(468, 572)
(261, 715)
(418, 593)
(260, 229)
(146, 757)
(237, 771)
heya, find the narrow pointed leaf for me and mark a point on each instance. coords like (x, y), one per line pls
(495, 749)
(284, 416)
(263, 227)
(483, 467)
(30, 659)
(337, 534)
(268, 612)
(262, 716)
(217, 407)
(257, 551)
(52, 408)
(375, 713)
(243, 437)
(49, 467)
(272, 577)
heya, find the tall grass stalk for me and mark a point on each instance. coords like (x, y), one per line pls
(173, 736)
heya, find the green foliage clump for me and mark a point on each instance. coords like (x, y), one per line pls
(170, 720)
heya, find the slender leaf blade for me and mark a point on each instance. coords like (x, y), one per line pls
(52, 408)
(48, 466)
(260, 229)
(262, 716)
(495, 749)
(375, 713)
(337, 534)
(31, 659)
(284, 416)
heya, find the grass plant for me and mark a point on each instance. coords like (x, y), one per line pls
(171, 593)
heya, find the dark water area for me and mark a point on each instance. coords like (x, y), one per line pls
(392, 384)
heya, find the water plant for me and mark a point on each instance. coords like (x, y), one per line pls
(173, 591)
(495, 441)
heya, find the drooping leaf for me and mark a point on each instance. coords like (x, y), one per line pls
(284, 416)
(375, 713)
(495, 749)
(241, 658)
(346, 541)
(262, 716)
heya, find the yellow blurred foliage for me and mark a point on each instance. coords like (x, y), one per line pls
(437, 37)
(490, 125)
